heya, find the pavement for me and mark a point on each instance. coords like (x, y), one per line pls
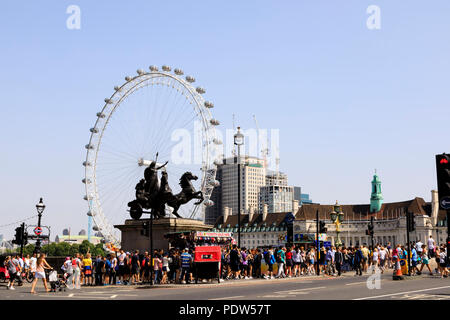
(346, 287)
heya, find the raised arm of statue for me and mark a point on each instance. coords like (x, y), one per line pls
(162, 165)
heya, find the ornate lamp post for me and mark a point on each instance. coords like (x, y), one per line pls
(239, 141)
(40, 209)
(337, 216)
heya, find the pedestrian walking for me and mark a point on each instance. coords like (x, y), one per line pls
(339, 260)
(41, 265)
(431, 247)
(357, 261)
(281, 261)
(425, 260)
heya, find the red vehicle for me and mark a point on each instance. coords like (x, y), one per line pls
(4, 274)
(207, 262)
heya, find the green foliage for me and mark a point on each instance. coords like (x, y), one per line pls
(74, 249)
(28, 250)
(65, 249)
(86, 247)
(98, 250)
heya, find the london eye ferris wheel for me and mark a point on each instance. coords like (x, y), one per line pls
(155, 112)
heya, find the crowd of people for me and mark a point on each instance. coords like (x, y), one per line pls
(176, 265)
(298, 261)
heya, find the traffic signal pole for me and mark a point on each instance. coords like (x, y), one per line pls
(448, 235)
(408, 227)
(317, 243)
(23, 238)
(372, 232)
(443, 183)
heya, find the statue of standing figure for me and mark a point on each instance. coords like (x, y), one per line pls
(151, 195)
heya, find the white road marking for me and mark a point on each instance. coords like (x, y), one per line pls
(113, 296)
(294, 291)
(355, 283)
(70, 295)
(226, 298)
(400, 293)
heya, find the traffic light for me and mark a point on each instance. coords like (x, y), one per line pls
(322, 228)
(410, 222)
(18, 237)
(25, 238)
(443, 179)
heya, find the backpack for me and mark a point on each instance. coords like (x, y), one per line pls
(267, 257)
(277, 257)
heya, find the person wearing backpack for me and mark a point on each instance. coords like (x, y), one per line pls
(270, 260)
(281, 261)
(257, 258)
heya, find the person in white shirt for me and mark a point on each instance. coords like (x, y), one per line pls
(68, 272)
(33, 260)
(375, 260)
(431, 245)
(382, 255)
(121, 262)
(419, 247)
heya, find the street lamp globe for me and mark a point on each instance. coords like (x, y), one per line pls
(333, 216)
(239, 138)
(40, 206)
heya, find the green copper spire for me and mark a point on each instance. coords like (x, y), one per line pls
(376, 198)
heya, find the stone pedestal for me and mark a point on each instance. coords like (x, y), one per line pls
(133, 236)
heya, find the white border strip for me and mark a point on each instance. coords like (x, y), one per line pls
(396, 294)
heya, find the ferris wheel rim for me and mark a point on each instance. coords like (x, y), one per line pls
(199, 104)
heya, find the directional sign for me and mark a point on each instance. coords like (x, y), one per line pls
(37, 231)
(31, 237)
(445, 203)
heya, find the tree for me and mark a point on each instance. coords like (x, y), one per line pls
(74, 249)
(62, 249)
(49, 249)
(28, 249)
(86, 247)
(98, 250)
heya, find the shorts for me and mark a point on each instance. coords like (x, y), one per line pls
(135, 270)
(40, 275)
(424, 261)
(234, 267)
(382, 262)
(270, 267)
(87, 271)
(164, 269)
(122, 270)
(443, 265)
(311, 261)
(414, 263)
(289, 263)
(297, 263)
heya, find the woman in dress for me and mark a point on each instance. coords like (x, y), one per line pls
(41, 265)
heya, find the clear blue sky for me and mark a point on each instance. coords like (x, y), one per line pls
(346, 99)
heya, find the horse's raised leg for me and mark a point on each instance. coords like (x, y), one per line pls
(199, 195)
